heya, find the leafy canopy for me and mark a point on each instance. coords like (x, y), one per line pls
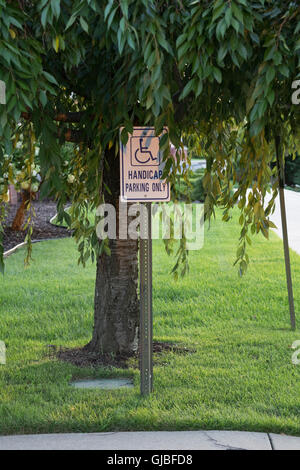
(218, 70)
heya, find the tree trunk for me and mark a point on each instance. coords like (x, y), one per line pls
(116, 309)
(18, 221)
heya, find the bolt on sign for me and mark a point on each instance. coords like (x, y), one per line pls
(141, 167)
(2, 92)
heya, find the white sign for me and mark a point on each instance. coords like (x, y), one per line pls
(2, 92)
(141, 167)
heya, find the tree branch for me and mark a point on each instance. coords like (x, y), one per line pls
(72, 135)
(60, 117)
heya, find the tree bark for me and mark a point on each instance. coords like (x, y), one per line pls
(116, 308)
(18, 221)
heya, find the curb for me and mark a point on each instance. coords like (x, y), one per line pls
(10, 252)
(152, 440)
(56, 225)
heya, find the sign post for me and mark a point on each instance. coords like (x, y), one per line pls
(141, 167)
(146, 318)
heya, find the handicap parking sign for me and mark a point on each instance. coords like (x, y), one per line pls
(144, 151)
(141, 167)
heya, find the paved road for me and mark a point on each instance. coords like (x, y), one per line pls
(197, 164)
(178, 440)
(292, 201)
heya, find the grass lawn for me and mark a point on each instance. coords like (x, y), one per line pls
(240, 377)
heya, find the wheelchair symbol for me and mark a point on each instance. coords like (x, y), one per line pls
(143, 155)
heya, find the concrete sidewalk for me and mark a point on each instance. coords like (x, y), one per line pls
(292, 202)
(161, 440)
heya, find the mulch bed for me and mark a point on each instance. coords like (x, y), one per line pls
(81, 357)
(44, 211)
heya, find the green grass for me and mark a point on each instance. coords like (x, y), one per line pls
(240, 377)
(196, 190)
(296, 189)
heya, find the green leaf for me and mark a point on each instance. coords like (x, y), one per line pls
(50, 78)
(270, 75)
(84, 24)
(199, 88)
(111, 18)
(284, 70)
(271, 97)
(237, 12)
(187, 89)
(43, 98)
(180, 40)
(71, 21)
(44, 16)
(67, 218)
(222, 52)
(55, 6)
(108, 9)
(2, 266)
(217, 74)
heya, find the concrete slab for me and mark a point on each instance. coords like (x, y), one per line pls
(239, 440)
(106, 384)
(282, 442)
(178, 440)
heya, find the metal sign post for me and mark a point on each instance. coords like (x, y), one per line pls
(280, 170)
(146, 319)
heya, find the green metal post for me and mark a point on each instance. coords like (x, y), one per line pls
(146, 319)
(280, 169)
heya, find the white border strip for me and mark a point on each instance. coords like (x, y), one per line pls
(20, 245)
(15, 248)
(12, 250)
